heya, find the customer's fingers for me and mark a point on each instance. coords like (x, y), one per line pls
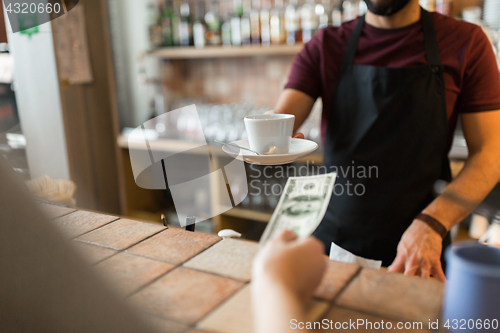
(286, 236)
(299, 136)
(313, 243)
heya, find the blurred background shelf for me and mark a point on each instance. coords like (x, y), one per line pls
(192, 52)
(179, 146)
(249, 214)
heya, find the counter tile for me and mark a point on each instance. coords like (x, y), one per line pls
(165, 325)
(128, 273)
(340, 315)
(121, 234)
(92, 253)
(393, 296)
(336, 277)
(230, 257)
(81, 222)
(185, 295)
(235, 314)
(53, 211)
(174, 245)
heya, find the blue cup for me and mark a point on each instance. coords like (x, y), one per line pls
(472, 294)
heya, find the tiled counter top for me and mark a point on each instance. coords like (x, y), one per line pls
(196, 282)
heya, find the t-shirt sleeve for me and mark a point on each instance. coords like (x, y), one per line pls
(481, 81)
(305, 74)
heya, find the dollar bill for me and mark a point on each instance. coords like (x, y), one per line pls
(302, 205)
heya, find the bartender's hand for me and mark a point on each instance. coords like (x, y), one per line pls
(292, 264)
(419, 252)
(297, 135)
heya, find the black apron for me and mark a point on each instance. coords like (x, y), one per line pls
(386, 137)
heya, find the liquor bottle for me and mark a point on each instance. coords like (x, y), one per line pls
(226, 30)
(154, 26)
(246, 28)
(199, 26)
(213, 22)
(429, 5)
(277, 23)
(362, 8)
(292, 23)
(444, 7)
(185, 28)
(176, 25)
(322, 10)
(255, 22)
(349, 10)
(309, 20)
(166, 23)
(235, 30)
(236, 22)
(265, 28)
(337, 13)
(238, 7)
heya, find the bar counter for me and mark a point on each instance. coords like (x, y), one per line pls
(195, 282)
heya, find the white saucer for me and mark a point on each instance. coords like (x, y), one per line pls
(298, 149)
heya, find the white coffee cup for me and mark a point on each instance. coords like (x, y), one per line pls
(270, 134)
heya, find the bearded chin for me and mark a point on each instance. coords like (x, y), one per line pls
(386, 9)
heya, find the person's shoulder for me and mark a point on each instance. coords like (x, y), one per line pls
(450, 27)
(333, 36)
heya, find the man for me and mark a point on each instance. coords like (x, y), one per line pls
(393, 84)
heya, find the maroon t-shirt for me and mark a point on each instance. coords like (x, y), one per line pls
(472, 78)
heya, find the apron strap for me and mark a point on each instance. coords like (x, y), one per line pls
(431, 48)
(352, 44)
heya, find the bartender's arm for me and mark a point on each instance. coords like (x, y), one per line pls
(420, 247)
(285, 274)
(295, 102)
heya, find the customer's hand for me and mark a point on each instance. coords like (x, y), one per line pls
(299, 135)
(288, 263)
(419, 252)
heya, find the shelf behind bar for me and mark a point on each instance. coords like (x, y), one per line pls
(224, 51)
(248, 214)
